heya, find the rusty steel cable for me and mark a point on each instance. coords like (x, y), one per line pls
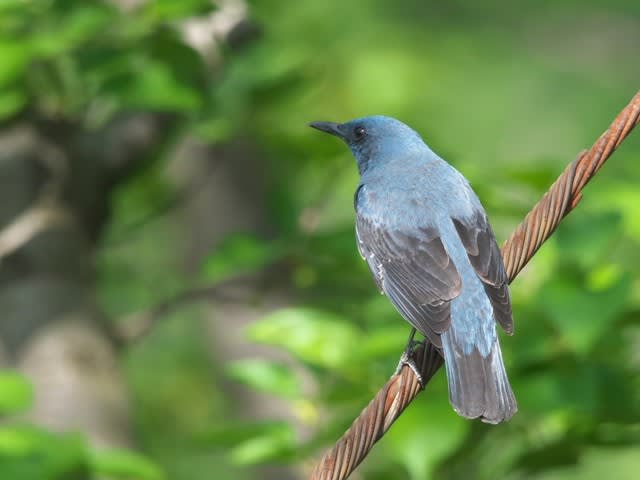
(524, 242)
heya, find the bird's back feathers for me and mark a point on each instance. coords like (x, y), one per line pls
(431, 250)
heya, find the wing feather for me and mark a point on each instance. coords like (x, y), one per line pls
(414, 271)
(485, 257)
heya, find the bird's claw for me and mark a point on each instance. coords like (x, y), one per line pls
(407, 359)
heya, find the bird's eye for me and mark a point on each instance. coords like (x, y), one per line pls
(359, 133)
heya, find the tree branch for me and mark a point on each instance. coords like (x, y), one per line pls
(29, 224)
(135, 326)
(46, 210)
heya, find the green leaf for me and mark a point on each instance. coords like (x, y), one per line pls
(75, 28)
(72, 29)
(238, 254)
(253, 442)
(383, 340)
(586, 238)
(12, 4)
(16, 394)
(426, 434)
(573, 390)
(15, 57)
(31, 453)
(624, 198)
(584, 314)
(266, 376)
(11, 102)
(124, 464)
(315, 336)
(172, 10)
(155, 86)
(598, 463)
(239, 432)
(273, 443)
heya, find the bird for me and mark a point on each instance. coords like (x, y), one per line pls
(430, 248)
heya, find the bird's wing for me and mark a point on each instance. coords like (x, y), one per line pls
(414, 271)
(485, 257)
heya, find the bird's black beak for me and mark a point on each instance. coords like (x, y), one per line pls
(328, 127)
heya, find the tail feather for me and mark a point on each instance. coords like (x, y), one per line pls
(478, 385)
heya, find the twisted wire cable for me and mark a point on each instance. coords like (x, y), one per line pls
(565, 193)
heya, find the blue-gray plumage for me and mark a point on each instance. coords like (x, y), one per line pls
(431, 250)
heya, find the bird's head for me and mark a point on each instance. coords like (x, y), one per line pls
(373, 139)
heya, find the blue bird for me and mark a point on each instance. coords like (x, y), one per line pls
(430, 248)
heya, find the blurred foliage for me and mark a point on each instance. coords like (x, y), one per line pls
(508, 92)
(32, 453)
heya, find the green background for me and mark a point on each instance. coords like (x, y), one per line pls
(508, 92)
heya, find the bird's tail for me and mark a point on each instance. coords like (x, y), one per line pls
(478, 385)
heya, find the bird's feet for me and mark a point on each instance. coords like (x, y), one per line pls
(407, 358)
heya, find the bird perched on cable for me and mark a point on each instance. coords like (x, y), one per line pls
(430, 248)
